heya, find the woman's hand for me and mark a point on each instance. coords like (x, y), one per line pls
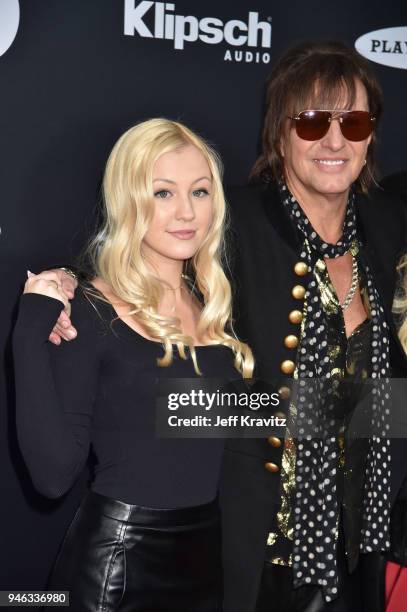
(45, 283)
(49, 283)
(63, 328)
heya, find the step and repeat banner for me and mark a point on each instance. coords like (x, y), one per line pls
(73, 76)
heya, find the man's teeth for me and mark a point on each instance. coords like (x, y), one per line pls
(330, 162)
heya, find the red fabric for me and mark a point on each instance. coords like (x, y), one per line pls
(396, 588)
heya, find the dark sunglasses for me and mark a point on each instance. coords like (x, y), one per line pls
(314, 124)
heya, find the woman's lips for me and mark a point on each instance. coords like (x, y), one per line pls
(183, 234)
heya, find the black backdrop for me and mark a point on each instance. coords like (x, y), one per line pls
(71, 82)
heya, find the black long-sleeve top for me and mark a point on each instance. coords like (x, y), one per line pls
(99, 391)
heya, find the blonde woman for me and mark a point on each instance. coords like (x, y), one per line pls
(157, 304)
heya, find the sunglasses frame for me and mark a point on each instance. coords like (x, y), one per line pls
(339, 116)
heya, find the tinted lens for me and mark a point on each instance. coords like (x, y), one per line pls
(356, 125)
(312, 125)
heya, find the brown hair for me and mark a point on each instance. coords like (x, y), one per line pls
(291, 88)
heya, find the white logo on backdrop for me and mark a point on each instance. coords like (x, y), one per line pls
(9, 20)
(387, 46)
(160, 21)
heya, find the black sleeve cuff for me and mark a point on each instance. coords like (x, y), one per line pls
(38, 312)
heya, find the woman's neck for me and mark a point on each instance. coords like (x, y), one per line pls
(169, 272)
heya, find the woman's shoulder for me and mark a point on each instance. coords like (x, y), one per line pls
(90, 305)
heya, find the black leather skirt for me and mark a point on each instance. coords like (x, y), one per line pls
(117, 556)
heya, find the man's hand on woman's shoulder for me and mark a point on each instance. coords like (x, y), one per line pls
(60, 285)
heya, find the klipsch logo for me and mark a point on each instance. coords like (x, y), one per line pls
(9, 20)
(247, 39)
(387, 46)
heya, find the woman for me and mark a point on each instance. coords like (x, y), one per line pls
(157, 305)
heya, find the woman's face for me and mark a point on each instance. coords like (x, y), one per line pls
(327, 166)
(183, 205)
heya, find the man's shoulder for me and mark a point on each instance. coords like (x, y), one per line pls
(247, 199)
(384, 206)
(379, 197)
(396, 184)
(247, 190)
(384, 219)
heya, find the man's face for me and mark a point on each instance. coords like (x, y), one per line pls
(325, 167)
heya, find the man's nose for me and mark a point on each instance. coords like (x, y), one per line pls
(334, 139)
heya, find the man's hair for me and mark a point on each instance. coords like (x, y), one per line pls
(314, 75)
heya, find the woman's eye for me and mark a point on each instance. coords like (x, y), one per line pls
(200, 193)
(163, 194)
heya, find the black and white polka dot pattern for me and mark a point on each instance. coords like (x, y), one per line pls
(316, 505)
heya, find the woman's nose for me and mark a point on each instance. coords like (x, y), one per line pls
(185, 208)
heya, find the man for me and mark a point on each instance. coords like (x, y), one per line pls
(314, 266)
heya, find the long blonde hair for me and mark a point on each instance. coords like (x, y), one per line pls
(116, 256)
(400, 301)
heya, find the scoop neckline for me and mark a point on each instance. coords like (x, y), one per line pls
(133, 331)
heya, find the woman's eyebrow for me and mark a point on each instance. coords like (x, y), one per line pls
(173, 182)
(202, 178)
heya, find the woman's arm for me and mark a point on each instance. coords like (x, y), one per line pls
(55, 390)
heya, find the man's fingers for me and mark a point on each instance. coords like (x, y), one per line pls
(66, 313)
(68, 283)
(63, 320)
(67, 333)
(54, 338)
